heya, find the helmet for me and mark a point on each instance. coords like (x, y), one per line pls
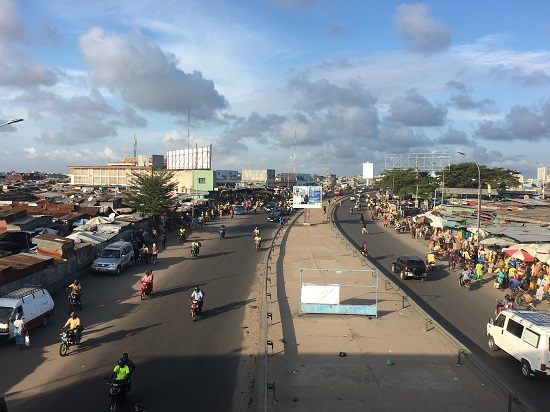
(138, 407)
(73, 315)
(76, 281)
(121, 361)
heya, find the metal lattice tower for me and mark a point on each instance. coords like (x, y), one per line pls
(419, 162)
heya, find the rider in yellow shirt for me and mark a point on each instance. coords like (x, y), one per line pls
(431, 258)
(74, 324)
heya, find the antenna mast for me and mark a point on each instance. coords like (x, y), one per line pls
(135, 150)
(294, 151)
(188, 129)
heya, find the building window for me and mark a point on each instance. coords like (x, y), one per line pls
(202, 180)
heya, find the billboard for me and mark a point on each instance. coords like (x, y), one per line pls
(368, 170)
(307, 197)
(198, 158)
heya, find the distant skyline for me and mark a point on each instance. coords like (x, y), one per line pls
(352, 80)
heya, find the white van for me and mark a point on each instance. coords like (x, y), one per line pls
(525, 335)
(33, 303)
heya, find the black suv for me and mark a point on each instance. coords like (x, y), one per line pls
(410, 267)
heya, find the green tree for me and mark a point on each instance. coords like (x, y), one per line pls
(465, 175)
(404, 183)
(151, 195)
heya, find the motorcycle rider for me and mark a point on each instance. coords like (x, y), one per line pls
(74, 289)
(258, 241)
(121, 371)
(197, 246)
(74, 325)
(182, 234)
(222, 230)
(431, 258)
(198, 295)
(131, 367)
(465, 276)
(144, 252)
(148, 279)
(256, 231)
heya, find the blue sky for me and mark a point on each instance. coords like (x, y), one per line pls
(353, 80)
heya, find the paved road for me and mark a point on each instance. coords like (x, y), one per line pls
(178, 361)
(464, 314)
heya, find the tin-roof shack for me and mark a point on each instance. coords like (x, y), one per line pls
(54, 246)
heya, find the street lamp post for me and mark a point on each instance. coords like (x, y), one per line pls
(543, 180)
(11, 122)
(478, 196)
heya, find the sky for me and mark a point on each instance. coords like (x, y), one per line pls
(312, 86)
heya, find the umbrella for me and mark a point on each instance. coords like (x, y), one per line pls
(519, 254)
(436, 221)
(423, 220)
(529, 248)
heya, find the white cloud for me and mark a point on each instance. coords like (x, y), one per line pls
(32, 153)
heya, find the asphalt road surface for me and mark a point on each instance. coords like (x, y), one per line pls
(180, 364)
(464, 314)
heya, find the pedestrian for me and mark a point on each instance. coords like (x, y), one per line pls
(163, 240)
(364, 229)
(479, 269)
(19, 331)
(155, 252)
(364, 248)
(132, 367)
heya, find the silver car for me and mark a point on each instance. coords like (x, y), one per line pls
(114, 258)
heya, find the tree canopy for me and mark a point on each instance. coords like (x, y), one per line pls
(152, 195)
(461, 175)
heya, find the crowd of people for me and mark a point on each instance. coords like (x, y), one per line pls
(527, 280)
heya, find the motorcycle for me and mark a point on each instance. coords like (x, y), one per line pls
(258, 245)
(222, 233)
(117, 393)
(195, 309)
(431, 266)
(74, 302)
(145, 289)
(194, 252)
(68, 339)
(465, 283)
(182, 237)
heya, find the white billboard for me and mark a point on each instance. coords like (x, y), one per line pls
(198, 158)
(368, 170)
(307, 197)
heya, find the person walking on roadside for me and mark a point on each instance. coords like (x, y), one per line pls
(163, 241)
(364, 248)
(479, 269)
(364, 229)
(155, 253)
(19, 331)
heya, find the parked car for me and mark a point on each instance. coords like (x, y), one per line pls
(114, 258)
(34, 304)
(238, 210)
(410, 267)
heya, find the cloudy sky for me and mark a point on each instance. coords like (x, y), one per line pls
(349, 81)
